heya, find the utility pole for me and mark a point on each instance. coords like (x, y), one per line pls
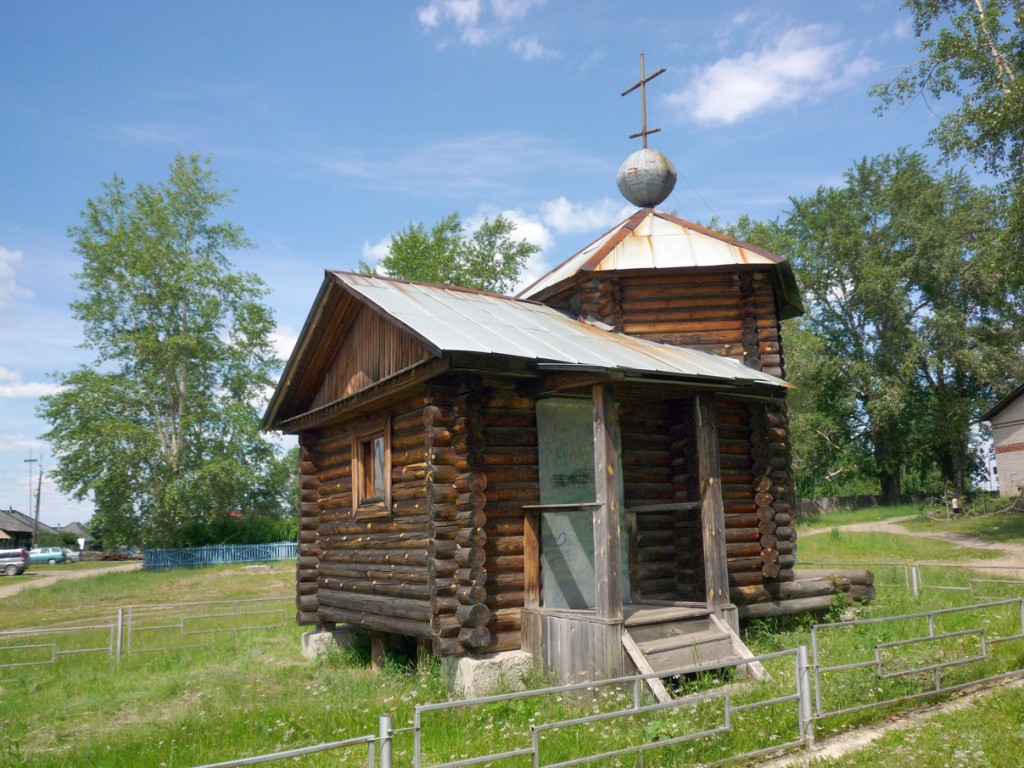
(39, 495)
(30, 461)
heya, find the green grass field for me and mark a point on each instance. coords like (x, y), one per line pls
(253, 692)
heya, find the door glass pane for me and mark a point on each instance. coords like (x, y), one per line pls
(565, 436)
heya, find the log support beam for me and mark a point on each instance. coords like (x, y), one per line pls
(716, 572)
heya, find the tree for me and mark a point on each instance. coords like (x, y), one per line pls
(489, 259)
(976, 55)
(829, 457)
(912, 298)
(162, 430)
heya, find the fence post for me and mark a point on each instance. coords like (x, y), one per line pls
(803, 687)
(914, 581)
(120, 633)
(385, 741)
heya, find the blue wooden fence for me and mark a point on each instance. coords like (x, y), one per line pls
(218, 555)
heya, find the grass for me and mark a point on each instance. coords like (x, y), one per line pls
(839, 546)
(253, 692)
(998, 528)
(989, 732)
(861, 515)
(100, 596)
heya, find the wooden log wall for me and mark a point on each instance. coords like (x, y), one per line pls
(375, 572)
(729, 313)
(775, 484)
(509, 427)
(306, 602)
(647, 480)
(458, 535)
(598, 298)
(690, 582)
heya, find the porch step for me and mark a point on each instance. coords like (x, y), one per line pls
(681, 639)
(691, 650)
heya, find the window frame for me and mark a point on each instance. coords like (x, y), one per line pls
(364, 434)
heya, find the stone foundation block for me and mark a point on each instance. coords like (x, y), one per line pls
(471, 677)
(320, 642)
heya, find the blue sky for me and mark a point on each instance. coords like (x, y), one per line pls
(339, 123)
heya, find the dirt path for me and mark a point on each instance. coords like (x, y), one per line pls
(1013, 554)
(846, 743)
(12, 585)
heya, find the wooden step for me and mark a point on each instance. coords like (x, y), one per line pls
(650, 623)
(643, 633)
(687, 650)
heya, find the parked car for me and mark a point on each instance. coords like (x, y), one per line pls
(13, 561)
(73, 555)
(51, 555)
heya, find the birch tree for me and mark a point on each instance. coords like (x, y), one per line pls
(162, 429)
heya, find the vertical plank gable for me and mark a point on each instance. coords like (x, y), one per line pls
(372, 349)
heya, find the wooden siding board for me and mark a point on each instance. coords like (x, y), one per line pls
(373, 348)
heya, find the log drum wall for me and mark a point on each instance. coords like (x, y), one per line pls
(731, 313)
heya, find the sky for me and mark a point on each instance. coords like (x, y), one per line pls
(338, 124)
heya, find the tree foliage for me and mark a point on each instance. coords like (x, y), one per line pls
(973, 51)
(829, 456)
(162, 430)
(915, 312)
(489, 259)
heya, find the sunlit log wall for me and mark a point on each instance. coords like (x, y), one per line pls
(373, 572)
(731, 313)
(309, 518)
(509, 426)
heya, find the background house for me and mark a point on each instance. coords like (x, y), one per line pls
(1007, 420)
(19, 528)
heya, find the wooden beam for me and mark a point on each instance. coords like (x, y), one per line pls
(716, 573)
(531, 558)
(607, 536)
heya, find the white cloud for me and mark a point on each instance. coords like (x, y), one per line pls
(528, 228)
(483, 165)
(564, 216)
(284, 338)
(479, 24)
(463, 13)
(797, 66)
(507, 10)
(158, 134)
(20, 444)
(529, 49)
(11, 386)
(374, 254)
(9, 288)
(903, 29)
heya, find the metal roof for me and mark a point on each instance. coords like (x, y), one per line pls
(651, 239)
(13, 521)
(450, 319)
(996, 409)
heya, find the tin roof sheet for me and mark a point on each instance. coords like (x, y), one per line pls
(452, 319)
(651, 239)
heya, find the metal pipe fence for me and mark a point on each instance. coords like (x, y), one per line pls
(917, 578)
(680, 720)
(915, 655)
(144, 628)
(370, 741)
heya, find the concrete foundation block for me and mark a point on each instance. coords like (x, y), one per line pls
(320, 642)
(471, 677)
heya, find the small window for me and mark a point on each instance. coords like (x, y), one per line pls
(371, 457)
(371, 471)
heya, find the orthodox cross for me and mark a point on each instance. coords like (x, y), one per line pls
(642, 85)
